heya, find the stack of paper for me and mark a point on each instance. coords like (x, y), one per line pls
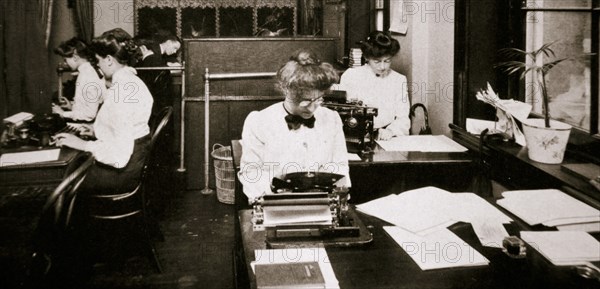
(355, 57)
(422, 143)
(431, 209)
(564, 248)
(440, 249)
(551, 208)
(298, 255)
(19, 118)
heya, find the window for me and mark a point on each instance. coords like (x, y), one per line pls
(572, 85)
(230, 18)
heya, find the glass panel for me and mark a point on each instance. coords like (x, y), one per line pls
(275, 22)
(152, 20)
(557, 3)
(198, 22)
(568, 83)
(235, 22)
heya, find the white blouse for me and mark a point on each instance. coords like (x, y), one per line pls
(89, 88)
(389, 94)
(270, 149)
(122, 118)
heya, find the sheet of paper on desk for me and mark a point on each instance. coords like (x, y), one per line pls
(476, 126)
(590, 227)
(298, 255)
(353, 157)
(440, 249)
(428, 209)
(549, 207)
(422, 143)
(474, 208)
(21, 158)
(564, 247)
(419, 211)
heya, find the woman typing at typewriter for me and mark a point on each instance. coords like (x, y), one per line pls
(296, 134)
(121, 126)
(377, 85)
(88, 86)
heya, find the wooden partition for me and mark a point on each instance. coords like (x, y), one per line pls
(232, 100)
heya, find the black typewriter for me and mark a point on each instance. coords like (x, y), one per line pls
(308, 208)
(32, 133)
(357, 119)
(35, 133)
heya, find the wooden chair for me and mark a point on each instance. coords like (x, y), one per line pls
(121, 212)
(241, 203)
(53, 238)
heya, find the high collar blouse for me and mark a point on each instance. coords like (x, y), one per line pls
(122, 118)
(270, 149)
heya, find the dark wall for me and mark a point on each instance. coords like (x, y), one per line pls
(232, 100)
(482, 27)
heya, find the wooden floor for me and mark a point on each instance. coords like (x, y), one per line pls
(196, 251)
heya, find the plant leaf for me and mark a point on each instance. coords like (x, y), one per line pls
(546, 67)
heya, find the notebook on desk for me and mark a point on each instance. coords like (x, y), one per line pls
(289, 275)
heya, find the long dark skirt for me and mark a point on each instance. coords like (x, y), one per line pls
(104, 179)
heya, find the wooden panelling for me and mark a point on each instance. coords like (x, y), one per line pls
(226, 122)
(229, 55)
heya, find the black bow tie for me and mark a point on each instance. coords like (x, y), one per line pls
(295, 121)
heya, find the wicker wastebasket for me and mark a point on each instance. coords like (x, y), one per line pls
(224, 173)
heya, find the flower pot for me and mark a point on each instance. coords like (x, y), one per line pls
(546, 144)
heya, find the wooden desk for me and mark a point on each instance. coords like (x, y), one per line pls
(385, 172)
(384, 264)
(39, 173)
(511, 167)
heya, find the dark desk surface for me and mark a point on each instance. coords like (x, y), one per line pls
(383, 157)
(38, 173)
(385, 172)
(384, 264)
(511, 166)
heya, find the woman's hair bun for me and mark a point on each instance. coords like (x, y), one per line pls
(383, 39)
(130, 46)
(305, 57)
(378, 44)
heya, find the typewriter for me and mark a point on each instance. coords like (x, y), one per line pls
(308, 208)
(25, 131)
(357, 119)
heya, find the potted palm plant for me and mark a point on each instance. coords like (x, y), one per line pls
(546, 138)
